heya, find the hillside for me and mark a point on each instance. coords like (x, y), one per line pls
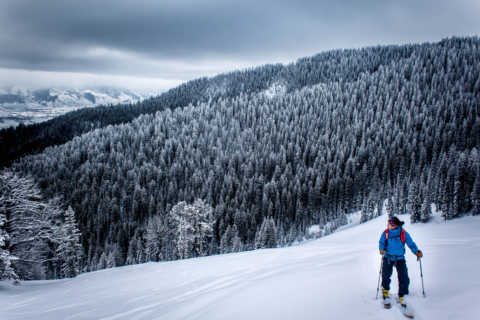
(331, 278)
(333, 66)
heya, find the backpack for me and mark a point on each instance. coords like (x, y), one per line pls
(402, 237)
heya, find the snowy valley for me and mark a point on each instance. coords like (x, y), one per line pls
(334, 277)
(19, 105)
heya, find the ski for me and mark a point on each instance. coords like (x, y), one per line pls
(386, 303)
(402, 307)
(406, 311)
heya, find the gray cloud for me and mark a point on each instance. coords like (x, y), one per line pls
(181, 39)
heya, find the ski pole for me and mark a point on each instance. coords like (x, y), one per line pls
(379, 277)
(421, 275)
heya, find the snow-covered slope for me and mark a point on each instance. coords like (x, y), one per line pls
(18, 105)
(334, 277)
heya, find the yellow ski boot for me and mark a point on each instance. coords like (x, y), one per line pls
(386, 299)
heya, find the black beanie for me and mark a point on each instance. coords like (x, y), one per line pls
(396, 221)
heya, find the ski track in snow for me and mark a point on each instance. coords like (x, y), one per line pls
(334, 277)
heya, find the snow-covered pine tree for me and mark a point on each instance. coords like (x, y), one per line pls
(414, 203)
(132, 252)
(476, 194)
(389, 207)
(203, 226)
(102, 262)
(364, 209)
(28, 225)
(226, 242)
(194, 228)
(237, 244)
(368, 208)
(69, 250)
(426, 210)
(111, 259)
(267, 235)
(154, 238)
(140, 256)
(6, 270)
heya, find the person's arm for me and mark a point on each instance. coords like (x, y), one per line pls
(412, 245)
(381, 244)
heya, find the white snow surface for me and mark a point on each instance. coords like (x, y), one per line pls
(334, 277)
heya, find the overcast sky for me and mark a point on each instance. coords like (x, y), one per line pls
(157, 44)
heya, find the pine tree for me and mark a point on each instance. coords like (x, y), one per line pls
(132, 252)
(27, 230)
(476, 194)
(194, 228)
(69, 250)
(426, 210)
(111, 259)
(6, 270)
(226, 242)
(457, 199)
(414, 203)
(267, 235)
(365, 215)
(389, 207)
(154, 239)
(102, 262)
(237, 244)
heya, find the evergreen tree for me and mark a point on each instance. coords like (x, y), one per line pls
(267, 235)
(226, 243)
(154, 239)
(389, 207)
(414, 202)
(476, 194)
(6, 270)
(426, 210)
(27, 230)
(194, 228)
(69, 249)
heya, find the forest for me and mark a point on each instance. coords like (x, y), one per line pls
(254, 158)
(345, 65)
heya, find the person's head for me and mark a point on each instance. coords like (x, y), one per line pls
(394, 223)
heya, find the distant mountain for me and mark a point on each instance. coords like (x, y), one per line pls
(18, 105)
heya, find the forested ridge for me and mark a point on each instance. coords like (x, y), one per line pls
(345, 65)
(266, 156)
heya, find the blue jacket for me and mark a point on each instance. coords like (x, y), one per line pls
(396, 249)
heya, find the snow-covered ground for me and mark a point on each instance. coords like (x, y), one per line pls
(334, 277)
(18, 105)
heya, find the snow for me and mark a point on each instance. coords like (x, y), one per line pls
(34, 109)
(317, 231)
(275, 90)
(334, 277)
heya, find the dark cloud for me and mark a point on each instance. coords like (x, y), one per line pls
(168, 38)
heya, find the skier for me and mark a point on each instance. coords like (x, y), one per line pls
(392, 248)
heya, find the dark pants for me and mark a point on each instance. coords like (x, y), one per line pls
(402, 272)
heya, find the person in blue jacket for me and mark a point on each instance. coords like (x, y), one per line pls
(392, 248)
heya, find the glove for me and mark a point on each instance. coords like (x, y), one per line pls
(419, 254)
(382, 252)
